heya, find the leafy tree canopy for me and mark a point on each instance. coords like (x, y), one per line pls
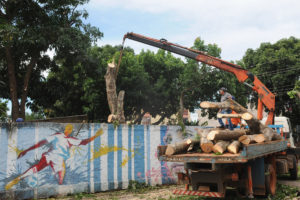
(278, 67)
(28, 29)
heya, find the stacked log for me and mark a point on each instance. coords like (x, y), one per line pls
(221, 140)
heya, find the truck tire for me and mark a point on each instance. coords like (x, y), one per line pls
(270, 179)
(294, 170)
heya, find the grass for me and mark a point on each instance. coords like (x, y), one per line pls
(142, 191)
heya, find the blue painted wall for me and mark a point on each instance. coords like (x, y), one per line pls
(63, 164)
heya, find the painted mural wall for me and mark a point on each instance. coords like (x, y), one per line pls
(39, 160)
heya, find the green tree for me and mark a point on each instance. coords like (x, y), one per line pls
(28, 29)
(3, 111)
(206, 80)
(278, 67)
(161, 97)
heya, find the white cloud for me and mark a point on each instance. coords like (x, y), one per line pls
(234, 25)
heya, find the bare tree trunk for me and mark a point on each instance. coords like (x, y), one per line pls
(111, 91)
(12, 84)
(115, 102)
(25, 86)
(120, 108)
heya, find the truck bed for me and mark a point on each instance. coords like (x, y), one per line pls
(247, 153)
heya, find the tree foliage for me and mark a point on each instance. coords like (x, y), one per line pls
(207, 80)
(28, 29)
(278, 67)
(3, 111)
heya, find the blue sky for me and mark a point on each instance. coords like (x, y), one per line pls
(234, 25)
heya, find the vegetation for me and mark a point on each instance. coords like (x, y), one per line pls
(3, 111)
(158, 83)
(278, 67)
(142, 191)
(28, 29)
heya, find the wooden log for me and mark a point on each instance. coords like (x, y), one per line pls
(206, 145)
(247, 116)
(221, 146)
(249, 139)
(234, 147)
(246, 139)
(225, 134)
(178, 147)
(220, 115)
(194, 144)
(259, 138)
(254, 124)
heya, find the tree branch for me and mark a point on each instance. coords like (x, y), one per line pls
(160, 120)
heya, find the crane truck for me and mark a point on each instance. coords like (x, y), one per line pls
(253, 171)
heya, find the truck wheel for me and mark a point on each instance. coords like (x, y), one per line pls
(294, 170)
(270, 179)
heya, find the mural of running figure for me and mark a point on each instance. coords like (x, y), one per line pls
(58, 153)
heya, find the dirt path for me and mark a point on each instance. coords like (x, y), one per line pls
(158, 193)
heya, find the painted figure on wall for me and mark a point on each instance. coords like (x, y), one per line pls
(56, 156)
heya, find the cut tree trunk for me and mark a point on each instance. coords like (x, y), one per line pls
(206, 145)
(225, 134)
(234, 147)
(120, 107)
(221, 115)
(115, 102)
(178, 147)
(249, 139)
(194, 144)
(254, 124)
(221, 146)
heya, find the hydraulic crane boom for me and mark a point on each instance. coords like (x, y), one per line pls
(265, 96)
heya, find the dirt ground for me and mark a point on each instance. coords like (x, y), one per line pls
(158, 193)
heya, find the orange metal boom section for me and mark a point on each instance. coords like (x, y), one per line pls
(265, 96)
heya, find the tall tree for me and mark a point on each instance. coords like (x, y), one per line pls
(204, 81)
(28, 29)
(278, 67)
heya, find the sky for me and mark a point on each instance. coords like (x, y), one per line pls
(234, 25)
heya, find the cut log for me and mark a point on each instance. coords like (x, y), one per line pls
(220, 115)
(254, 124)
(259, 138)
(225, 134)
(234, 147)
(179, 147)
(247, 116)
(256, 138)
(220, 146)
(246, 139)
(194, 144)
(206, 145)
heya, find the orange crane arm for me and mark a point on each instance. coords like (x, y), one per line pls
(265, 96)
